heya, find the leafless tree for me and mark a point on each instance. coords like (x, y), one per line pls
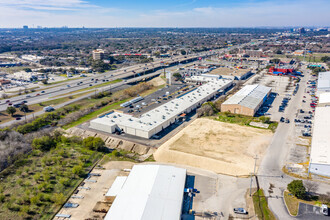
(311, 186)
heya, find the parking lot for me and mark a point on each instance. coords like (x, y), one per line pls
(157, 98)
(309, 212)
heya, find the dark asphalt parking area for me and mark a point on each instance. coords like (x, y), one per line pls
(310, 212)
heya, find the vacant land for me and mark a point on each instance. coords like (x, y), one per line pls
(37, 185)
(220, 147)
(229, 71)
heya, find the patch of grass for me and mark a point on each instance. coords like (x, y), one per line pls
(261, 206)
(245, 120)
(95, 114)
(292, 203)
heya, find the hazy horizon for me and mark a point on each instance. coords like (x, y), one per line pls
(169, 14)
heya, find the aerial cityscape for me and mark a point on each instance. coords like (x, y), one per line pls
(175, 110)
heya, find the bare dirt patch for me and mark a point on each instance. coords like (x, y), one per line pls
(212, 145)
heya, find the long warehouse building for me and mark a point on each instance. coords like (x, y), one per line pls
(320, 151)
(246, 101)
(154, 121)
(150, 192)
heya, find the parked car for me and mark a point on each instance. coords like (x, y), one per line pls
(240, 211)
(49, 109)
(42, 91)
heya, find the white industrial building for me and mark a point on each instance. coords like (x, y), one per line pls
(154, 121)
(320, 152)
(247, 100)
(150, 192)
(323, 82)
(324, 99)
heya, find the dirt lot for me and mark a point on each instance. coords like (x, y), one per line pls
(216, 146)
(229, 71)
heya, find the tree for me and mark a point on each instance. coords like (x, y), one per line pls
(58, 198)
(183, 52)
(11, 110)
(311, 186)
(44, 143)
(45, 81)
(24, 108)
(28, 70)
(94, 143)
(297, 188)
(177, 76)
(77, 170)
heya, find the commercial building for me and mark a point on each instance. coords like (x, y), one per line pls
(154, 121)
(324, 99)
(323, 83)
(195, 70)
(98, 54)
(247, 100)
(150, 192)
(320, 151)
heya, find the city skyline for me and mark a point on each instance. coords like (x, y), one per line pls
(193, 13)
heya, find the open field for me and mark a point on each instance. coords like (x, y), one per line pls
(212, 145)
(229, 71)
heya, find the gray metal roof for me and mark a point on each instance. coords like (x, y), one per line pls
(249, 96)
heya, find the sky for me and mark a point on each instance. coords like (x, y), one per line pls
(166, 13)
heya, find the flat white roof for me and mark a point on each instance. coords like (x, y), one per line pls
(324, 98)
(323, 80)
(249, 96)
(116, 186)
(162, 113)
(320, 152)
(151, 192)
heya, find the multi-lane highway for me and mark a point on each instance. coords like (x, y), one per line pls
(128, 74)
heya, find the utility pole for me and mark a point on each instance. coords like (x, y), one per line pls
(254, 172)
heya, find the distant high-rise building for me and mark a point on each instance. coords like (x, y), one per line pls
(25, 27)
(98, 54)
(302, 30)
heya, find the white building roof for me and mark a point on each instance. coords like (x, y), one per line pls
(116, 186)
(249, 96)
(151, 192)
(162, 113)
(323, 81)
(324, 98)
(320, 152)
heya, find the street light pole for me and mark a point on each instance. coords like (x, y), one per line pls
(254, 172)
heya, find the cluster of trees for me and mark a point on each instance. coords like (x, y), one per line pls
(134, 91)
(12, 110)
(56, 164)
(301, 189)
(46, 119)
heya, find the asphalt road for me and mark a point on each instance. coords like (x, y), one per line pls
(132, 71)
(71, 86)
(270, 170)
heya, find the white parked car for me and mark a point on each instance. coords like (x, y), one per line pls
(240, 211)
